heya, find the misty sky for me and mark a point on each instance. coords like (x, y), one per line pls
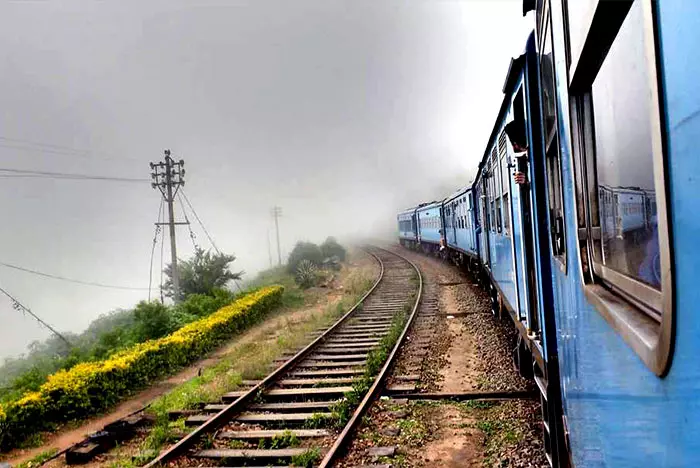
(339, 112)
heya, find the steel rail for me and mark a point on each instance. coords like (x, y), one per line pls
(225, 415)
(346, 435)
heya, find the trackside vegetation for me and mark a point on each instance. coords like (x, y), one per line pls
(204, 278)
(90, 387)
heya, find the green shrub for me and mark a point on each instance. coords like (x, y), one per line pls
(304, 251)
(331, 248)
(90, 387)
(307, 275)
(152, 320)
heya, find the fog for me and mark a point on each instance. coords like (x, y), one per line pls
(342, 113)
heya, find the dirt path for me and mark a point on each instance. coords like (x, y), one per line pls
(317, 299)
(458, 375)
(467, 350)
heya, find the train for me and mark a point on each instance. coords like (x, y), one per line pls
(581, 223)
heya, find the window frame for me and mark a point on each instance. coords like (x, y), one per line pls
(645, 321)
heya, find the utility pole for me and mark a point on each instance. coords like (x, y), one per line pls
(168, 176)
(277, 212)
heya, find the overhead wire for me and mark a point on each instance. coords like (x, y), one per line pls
(28, 145)
(153, 248)
(70, 280)
(189, 225)
(22, 308)
(201, 224)
(10, 172)
(162, 246)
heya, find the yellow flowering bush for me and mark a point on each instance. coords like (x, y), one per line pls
(89, 387)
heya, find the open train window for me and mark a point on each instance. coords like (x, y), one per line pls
(551, 146)
(618, 145)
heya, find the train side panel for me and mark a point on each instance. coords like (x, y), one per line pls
(429, 224)
(621, 409)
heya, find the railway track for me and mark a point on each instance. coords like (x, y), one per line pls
(294, 415)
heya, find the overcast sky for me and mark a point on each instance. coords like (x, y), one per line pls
(341, 112)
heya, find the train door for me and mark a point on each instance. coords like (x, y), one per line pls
(452, 225)
(484, 214)
(522, 165)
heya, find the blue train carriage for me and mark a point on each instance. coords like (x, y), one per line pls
(430, 228)
(460, 228)
(621, 108)
(514, 235)
(408, 228)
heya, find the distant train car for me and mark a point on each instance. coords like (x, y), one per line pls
(430, 227)
(459, 221)
(408, 228)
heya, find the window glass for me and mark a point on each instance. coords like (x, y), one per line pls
(506, 215)
(579, 18)
(553, 157)
(498, 214)
(505, 172)
(623, 127)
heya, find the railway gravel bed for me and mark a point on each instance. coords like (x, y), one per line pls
(456, 346)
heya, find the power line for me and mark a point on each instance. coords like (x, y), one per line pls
(153, 249)
(28, 145)
(162, 248)
(187, 221)
(20, 307)
(200, 222)
(14, 172)
(70, 280)
(205, 231)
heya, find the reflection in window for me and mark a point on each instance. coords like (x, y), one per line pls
(629, 241)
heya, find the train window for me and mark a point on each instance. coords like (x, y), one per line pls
(506, 215)
(499, 220)
(624, 162)
(552, 154)
(619, 143)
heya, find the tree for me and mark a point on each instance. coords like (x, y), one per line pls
(201, 274)
(152, 320)
(331, 248)
(304, 251)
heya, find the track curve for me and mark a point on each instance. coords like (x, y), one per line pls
(306, 410)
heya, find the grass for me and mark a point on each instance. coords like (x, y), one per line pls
(308, 458)
(412, 430)
(476, 404)
(501, 431)
(285, 440)
(39, 459)
(251, 360)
